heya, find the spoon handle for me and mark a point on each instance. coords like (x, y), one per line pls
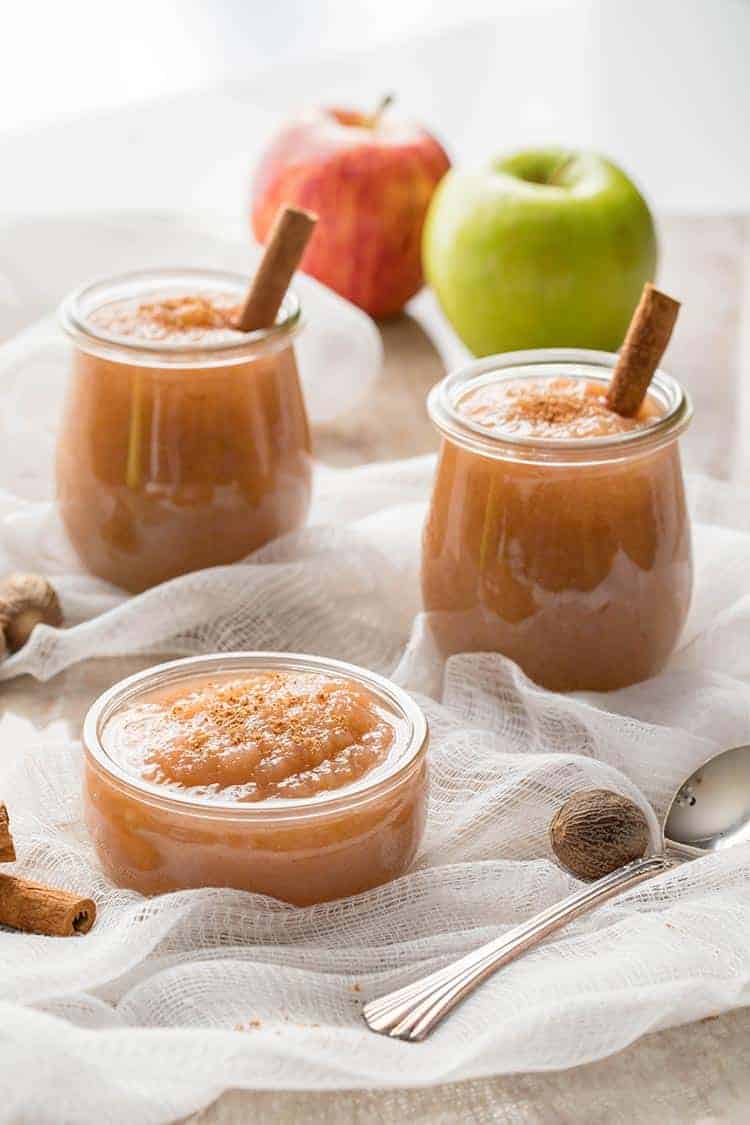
(412, 1012)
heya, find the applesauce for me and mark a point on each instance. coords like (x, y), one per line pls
(293, 776)
(557, 533)
(184, 442)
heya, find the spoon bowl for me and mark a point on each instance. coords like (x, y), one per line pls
(711, 809)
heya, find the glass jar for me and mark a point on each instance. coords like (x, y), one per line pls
(304, 850)
(570, 556)
(175, 456)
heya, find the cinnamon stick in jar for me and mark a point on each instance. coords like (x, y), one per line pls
(7, 848)
(37, 909)
(290, 234)
(645, 343)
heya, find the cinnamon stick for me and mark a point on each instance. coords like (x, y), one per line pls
(645, 343)
(287, 242)
(7, 849)
(37, 909)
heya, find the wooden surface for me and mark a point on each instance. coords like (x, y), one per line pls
(697, 1073)
(391, 422)
(692, 1075)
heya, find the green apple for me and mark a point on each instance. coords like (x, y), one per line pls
(545, 248)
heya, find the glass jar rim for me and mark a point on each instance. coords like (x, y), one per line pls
(443, 399)
(372, 785)
(74, 310)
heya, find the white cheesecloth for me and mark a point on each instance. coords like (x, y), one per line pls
(135, 1021)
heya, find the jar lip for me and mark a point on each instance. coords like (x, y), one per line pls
(74, 310)
(371, 785)
(593, 365)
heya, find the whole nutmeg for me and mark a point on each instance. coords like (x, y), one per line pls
(597, 831)
(7, 847)
(25, 601)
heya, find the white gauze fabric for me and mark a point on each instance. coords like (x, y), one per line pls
(135, 1022)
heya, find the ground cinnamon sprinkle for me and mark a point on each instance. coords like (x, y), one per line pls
(195, 316)
(551, 409)
(270, 735)
(231, 708)
(559, 407)
(189, 312)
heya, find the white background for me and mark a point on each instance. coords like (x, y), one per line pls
(98, 108)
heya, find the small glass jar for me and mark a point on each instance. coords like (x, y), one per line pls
(571, 556)
(175, 456)
(305, 850)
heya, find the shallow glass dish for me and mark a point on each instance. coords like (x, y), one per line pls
(305, 850)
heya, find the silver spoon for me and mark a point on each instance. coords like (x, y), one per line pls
(709, 812)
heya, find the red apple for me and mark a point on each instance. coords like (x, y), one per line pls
(369, 179)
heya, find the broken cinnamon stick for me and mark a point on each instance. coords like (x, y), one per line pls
(287, 242)
(7, 848)
(37, 909)
(645, 343)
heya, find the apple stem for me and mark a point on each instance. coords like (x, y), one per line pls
(385, 103)
(560, 167)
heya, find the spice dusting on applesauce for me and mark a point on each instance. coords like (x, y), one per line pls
(549, 408)
(205, 317)
(284, 735)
